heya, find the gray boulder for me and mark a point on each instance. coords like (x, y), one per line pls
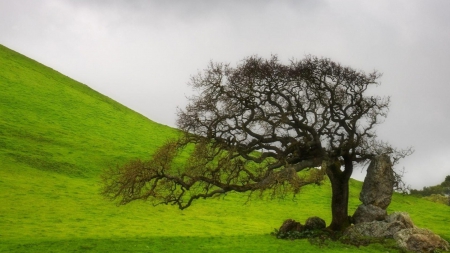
(378, 185)
(399, 226)
(368, 213)
(401, 217)
(375, 229)
(420, 240)
(314, 223)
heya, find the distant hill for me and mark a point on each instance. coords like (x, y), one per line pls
(52, 122)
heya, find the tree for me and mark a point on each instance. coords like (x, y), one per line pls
(446, 181)
(446, 187)
(255, 127)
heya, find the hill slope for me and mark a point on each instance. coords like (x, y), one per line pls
(51, 122)
(56, 135)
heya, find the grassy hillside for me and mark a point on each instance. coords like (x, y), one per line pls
(53, 123)
(56, 135)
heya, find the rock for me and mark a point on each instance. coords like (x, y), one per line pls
(289, 226)
(376, 229)
(402, 217)
(378, 185)
(368, 213)
(314, 223)
(399, 226)
(420, 240)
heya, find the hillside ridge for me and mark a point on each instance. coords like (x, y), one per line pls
(49, 121)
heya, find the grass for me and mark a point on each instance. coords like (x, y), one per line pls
(56, 135)
(54, 123)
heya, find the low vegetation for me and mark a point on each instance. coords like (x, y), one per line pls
(439, 198)
(57, 135)
(438, 193)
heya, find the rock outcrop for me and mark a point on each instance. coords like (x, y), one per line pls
(377, 190)
(400, 227)
(420, 240)
(401, 217)
(291, 226)
(378, 185)
(386, 228)
(368, 213)
(314, 223)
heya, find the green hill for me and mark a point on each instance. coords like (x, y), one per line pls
(51, 122)
(57, 135)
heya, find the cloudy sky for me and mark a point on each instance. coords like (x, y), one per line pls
(142, 53)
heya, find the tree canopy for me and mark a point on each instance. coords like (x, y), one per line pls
(253, 127)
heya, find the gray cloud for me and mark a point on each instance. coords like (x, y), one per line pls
(142, 53)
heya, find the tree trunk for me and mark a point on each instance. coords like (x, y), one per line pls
(340, 192)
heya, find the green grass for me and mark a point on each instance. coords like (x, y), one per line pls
(53, 123)
(56, 136)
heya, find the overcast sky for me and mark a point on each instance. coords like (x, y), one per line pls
(142, 53)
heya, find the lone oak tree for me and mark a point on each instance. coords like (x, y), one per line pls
(254, 127)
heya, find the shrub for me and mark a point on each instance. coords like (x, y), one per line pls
(439, 198)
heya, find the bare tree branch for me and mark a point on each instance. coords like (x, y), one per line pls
(254, 127)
